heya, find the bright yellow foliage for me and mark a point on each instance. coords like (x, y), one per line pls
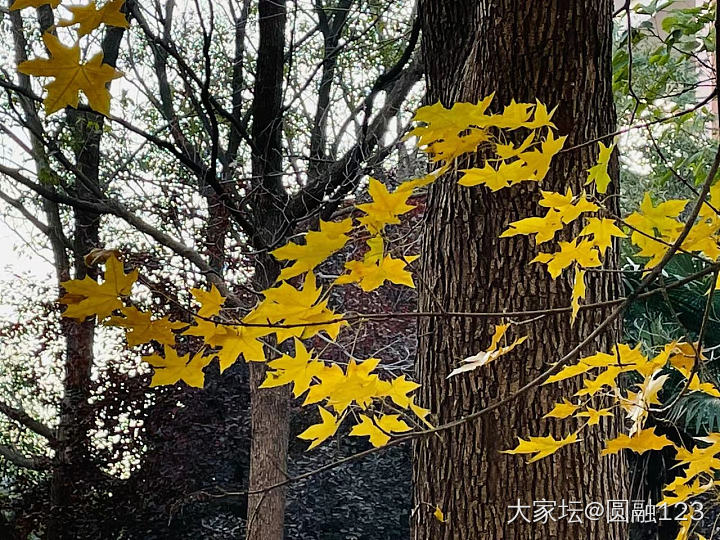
(210, 301)
(379, 429)
(70, 76)
(385, 206)
(140, 328)
(562, 410)
(318, 246)
(298, 370)
(172, 368)
(318, 433)
(541, 446)
(86, 298)
(376, 268)
(599, 173)
(642, 442)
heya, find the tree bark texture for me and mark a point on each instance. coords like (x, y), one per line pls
(560, 53)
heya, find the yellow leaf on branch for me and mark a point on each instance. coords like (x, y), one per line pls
(90, 17)
(385, 206)
(140, 328)
(578, 292)
(541, 446)
(640, 443)
(86, 297)
(376, 268)
(318, 433)
(300, 370)
(598, 173)
(594, 415)
(210, 301)
(603, 230)
(379, 429)
(493, 353)
(171, 368)
(318, 246)
(299, 312)
(582, 252)
(71, 76)
(562, 410)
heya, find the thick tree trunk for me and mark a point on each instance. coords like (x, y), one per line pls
(558, 52)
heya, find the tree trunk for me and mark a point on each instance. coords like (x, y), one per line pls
(560, 53)
(269, 407)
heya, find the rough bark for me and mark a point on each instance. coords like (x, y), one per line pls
(558, 52)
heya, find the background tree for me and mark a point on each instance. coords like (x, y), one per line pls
(210, 108)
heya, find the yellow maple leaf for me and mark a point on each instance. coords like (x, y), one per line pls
(379, 429)
(594, 415)
(210, 301)
(89, 17)
(697, 461)
(70, 76)
(569, 206)
(541, 117)
(705, 387)
(318, 433)
(541, 446)
(638, 403)
(496, 178)
(562, 410)
(514, 115)
(376, 268)
(173, 368)
(509, 151)
(538, 161)
(86, 297)
(385, 206)
(357, 384)
(22, 4)
(603, 231)
(399, 389)
(543, 227)
(598, 173)
(438, 514)
(318, 246)
(448, 133)
(683, 492)
(582, 252)
(605, 378)
(640, 443)
(301, 310)
(140, 328)
(300, 370)
(683, 357)
(661, 218)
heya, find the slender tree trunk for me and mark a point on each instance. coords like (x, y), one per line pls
(559, 52)
(269, 407)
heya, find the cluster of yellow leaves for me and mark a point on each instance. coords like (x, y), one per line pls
(602, 373)
(656, 227)
(69, 74)
(286, 311)
(445, 134)
(589, 247)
